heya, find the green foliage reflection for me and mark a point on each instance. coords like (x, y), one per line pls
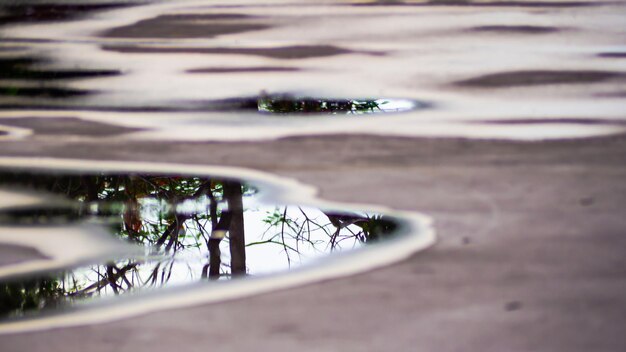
(289, 105)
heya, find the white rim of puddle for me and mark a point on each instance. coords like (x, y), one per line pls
(416, 233)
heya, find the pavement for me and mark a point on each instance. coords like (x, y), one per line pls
(529, 253)
(531, 232)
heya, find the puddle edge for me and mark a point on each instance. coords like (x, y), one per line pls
(287, 190)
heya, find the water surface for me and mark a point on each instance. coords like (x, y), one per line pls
(213, 70)
(180, 230)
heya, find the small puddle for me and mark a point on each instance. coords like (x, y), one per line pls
(287, 104)
(182, 230)
(293, 105)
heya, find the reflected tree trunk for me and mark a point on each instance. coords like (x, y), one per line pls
(234, 197)
(214, 259)
(218, 228)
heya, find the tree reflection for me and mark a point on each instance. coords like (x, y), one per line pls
(181, 222)
(287, 105)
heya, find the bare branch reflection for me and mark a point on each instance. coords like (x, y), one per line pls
(191, 229)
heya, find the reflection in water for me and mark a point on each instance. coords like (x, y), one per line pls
(191, 228)
(30, 82)
(286, 104)
(35, 82)
(282, 104)
(33, 13)
(185, 26)
(26, 68)
(27, 77)
(41, 92)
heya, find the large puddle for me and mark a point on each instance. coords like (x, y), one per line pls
(77, 241)
(163, 231)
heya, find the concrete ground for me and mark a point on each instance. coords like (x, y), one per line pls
(530, 252)
(531, 235)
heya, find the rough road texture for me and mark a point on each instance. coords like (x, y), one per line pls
(531, 244)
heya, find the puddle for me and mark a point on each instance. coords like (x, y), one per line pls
(37, 92)
(65, 126)
(539, 77)
(525, 29)
(280, 104)
(213, 70)
(182, 229)
(563, 121)
(31, 82)
(286, 104)
(469, 3)
(138, 66)
(296, 52)
(37, 13)
(26, 81)
(184, 26)
(32, 68)
(613, 55)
